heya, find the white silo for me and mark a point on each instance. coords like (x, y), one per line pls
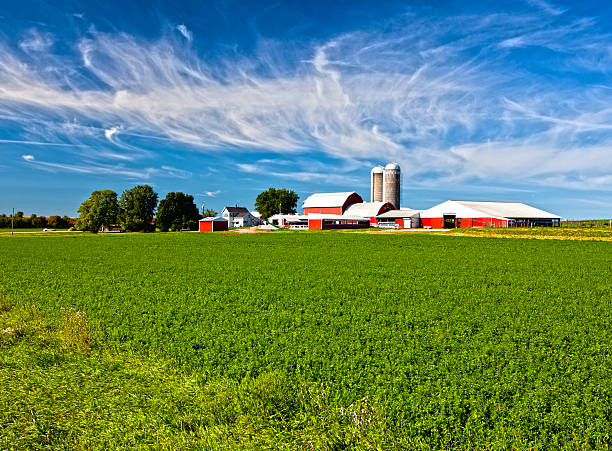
(391, 184)
(376, 184)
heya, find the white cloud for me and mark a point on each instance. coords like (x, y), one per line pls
(28, 157)
(213, 193)
(36, 41)
(109, 133)
(440, 96)
(185, 32)
(94, 168)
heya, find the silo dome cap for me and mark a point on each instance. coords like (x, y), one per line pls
(377, 170)
(392, 166)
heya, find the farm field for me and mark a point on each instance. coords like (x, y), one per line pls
(306, 340)
(554, 233)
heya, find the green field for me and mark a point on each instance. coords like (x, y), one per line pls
(324, 340)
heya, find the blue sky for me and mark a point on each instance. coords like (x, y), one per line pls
(221, 100)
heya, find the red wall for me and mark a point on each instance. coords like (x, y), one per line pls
(327, 210)
(315, 224)
(213, 226)
(436, 223)
(399, 222)
(346, 226)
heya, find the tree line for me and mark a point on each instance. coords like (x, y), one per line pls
(136, 209)
(34, 221)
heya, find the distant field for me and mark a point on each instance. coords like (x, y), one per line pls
(558, 233)
(587, 223)
(309, 339)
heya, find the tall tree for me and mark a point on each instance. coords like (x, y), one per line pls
(101, 208)
(177, 211)
(137, 206)
(209, 213)
(275, 200)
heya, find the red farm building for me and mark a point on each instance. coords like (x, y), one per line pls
(318, 221)
(368, 210)
(213, 224)
(454, 213)
(330, 203)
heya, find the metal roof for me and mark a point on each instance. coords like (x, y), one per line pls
(215, 219)
(501, 210)
(365, 209)
(403, 213)
(289, 217)
(327, 199)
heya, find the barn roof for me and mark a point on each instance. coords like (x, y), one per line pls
(327, 199)
(470, 209)
(403, 213)
(213, 219)
(366, 209)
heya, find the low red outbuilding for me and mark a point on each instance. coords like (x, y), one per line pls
(213, 224)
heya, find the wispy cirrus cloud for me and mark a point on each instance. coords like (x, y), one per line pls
(443, 96)
(185, 32)
(36, 41)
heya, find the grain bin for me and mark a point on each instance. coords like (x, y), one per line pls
(376, 184)
(391, 184)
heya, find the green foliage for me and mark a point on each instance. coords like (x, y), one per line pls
(58, 222)
(209, 213)
(34, 221)
(268, 202)
(137, 206)
(177, 211)
(442, 342)
(101, 208)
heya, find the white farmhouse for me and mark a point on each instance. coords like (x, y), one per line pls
(239, 217)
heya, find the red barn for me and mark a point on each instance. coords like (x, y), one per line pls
(213, 224)
(455, 213)
(330, 203)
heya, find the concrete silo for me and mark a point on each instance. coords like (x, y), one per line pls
(376, 184)
(391, 184)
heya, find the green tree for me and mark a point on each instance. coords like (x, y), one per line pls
(137, 206)
(58, 222)
(209, 213)
(38, 222)
(177, 211)
(273, 200)
(101, 208)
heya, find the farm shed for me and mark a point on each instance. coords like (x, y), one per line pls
(368, 210)
(293, 221)
(213, 224)
(330, 203)
(453, 213)
(399, 219)
(318, 221)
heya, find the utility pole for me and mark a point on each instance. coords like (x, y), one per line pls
(13, 222)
